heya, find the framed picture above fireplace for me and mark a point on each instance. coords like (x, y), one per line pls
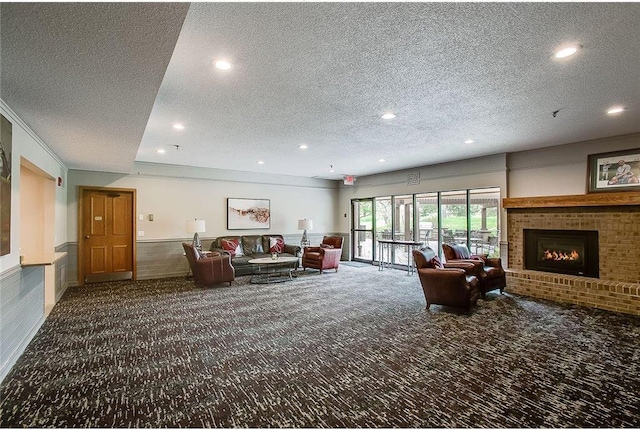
(614, 171)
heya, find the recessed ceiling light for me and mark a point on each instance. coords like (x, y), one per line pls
(178, 126)
(566, 52)
(382, 160)
(303, 146)
(468, 141)
(161, 151)
(221, 64)
(388, 115)
(331, 168)
(614, 110)
(260, 162)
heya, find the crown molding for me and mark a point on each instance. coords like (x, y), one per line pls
(15, 119)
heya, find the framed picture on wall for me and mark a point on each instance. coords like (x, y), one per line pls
(5, 185)
(245, 214)
(614, 171)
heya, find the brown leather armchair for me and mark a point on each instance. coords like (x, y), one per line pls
(215, 268)
(325, 256)
(488, 270)
(451, 284)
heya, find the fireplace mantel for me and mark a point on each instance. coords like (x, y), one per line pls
(625, 198)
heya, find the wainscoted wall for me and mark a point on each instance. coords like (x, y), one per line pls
(22, 305)
(164, 258)
(155, 259)
(22, 290)
(618, 288)
(71, 266)
(21, 312)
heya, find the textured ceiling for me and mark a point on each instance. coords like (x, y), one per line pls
(85, 76)
(319, 74)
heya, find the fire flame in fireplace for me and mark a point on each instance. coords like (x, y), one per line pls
(550, 254)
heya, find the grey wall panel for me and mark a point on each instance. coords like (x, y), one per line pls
(61, 272)
(21, 314)
(9, 287)
(165, 259)
(161, 259)
(72, 263)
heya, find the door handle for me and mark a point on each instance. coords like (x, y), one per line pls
(86, 237)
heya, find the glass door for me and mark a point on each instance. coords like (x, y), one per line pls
(362, 216)
(383, 226)
(402, 227)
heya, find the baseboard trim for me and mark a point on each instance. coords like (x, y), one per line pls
(164, 275)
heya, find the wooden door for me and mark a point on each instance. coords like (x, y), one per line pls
(106, 245)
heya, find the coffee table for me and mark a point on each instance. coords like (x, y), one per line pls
(269, 270)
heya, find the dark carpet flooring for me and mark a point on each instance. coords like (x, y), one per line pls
(349, 349)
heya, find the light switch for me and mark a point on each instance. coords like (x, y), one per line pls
(150, 217)
(140, 233)
(140, 217)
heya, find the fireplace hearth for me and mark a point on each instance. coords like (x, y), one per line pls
(570, 252)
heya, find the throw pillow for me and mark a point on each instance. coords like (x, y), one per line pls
(276, 244)
(232, 246)
(327, 246)
(462, 252)
(435, 261)
(196, 253)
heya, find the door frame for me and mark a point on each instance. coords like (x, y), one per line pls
(354, 230)
(81, 246)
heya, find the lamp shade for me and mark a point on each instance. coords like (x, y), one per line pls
(305, 224)
(196, 226)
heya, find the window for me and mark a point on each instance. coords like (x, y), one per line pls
(484, 216)
(403, 226)
(453, 216)
(384, 218)
(469, 217)
(427, 214)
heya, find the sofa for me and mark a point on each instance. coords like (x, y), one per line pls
(241, 249)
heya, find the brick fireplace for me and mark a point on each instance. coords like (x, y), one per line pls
(616, 219)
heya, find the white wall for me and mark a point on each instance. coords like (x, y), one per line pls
(22, 291)
(27, 145)
(175, 194)
(560, 170)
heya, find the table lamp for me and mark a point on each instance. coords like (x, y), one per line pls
(196, 226)
(305, 224)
